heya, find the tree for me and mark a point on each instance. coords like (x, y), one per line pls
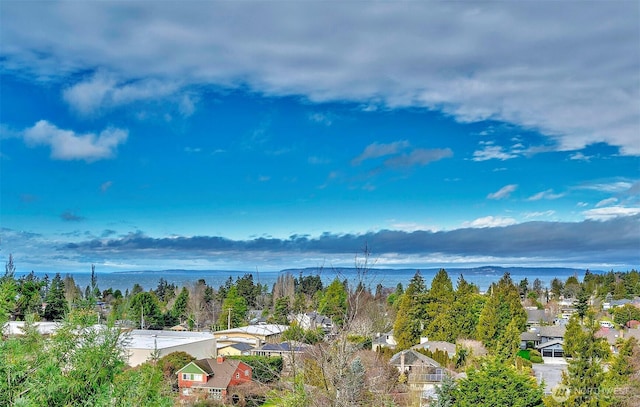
(440, 325)
(495, 384)
(144, 308)
(556, 288)
(56, 307)
(234, 309)
(503, 306)
(626, 313)
(77, 365)
(445, 392)
(171, 363)
(8, 291)
(334, 302)
(586, 377)
(281, 311)
(582, 302)
(466, 309)
(179, 310)
(411, 314)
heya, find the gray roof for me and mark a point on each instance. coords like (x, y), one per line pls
(552, 331)
(284, 347)
(432, 346)
(536, 315)
(413, 358)
(530, 336)
(550, 343)
(241, 347)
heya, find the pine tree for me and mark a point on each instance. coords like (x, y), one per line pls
(411, 314)
(56, 307)
(334, 302)
(586, 378)
(503, 306)
(179, 310)
(440, 323)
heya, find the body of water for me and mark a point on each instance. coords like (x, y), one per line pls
(481, 276)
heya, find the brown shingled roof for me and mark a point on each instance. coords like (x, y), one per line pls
(220, 374)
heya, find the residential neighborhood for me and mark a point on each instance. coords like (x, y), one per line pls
(368, 358)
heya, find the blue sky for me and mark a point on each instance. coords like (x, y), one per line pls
(269, 135)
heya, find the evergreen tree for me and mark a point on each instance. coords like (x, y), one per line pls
(582, 303)
(179, 310)
(234, 309)
(466, 309)
(494, 384)
(56, 307)
(411, 314)
(334, 302)
(586, 377)
(144, 308)
(281, 312)
(446, 393)
(503, 306)
(440, 324)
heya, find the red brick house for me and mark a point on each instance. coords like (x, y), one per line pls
(212, 378)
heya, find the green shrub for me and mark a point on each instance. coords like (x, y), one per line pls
(535, 356)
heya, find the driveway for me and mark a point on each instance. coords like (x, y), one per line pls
(550, 371)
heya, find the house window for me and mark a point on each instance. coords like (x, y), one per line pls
(215, 394)
(192, 377)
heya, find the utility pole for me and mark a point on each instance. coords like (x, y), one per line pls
(229, 319)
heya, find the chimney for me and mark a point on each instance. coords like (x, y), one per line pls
(220, 359)
(402, 362)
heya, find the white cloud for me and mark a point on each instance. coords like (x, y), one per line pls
(519, 62)
(105, 91)
(489, 222)
(322, 118)
(606, 202)
(67, 145)
(491, 152)
(608, 187)
(503, 192)
(548, 194)
(580, 157)
(610, 212)
(376, 150)
(544, 214)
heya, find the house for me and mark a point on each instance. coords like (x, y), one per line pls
(434, 346)
(212, 378)
(385, 340)
(289, 351)
(235, 349)
(613, 336)
(409, 361)
(423, 373)
(313, 320)
(633, 324)
(140, 345)
(16, 328)
(538, 317)
(551, 349)
(254, 335)
(549, 340)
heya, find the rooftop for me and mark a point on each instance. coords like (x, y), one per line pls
(257, 330)
(147, 339)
